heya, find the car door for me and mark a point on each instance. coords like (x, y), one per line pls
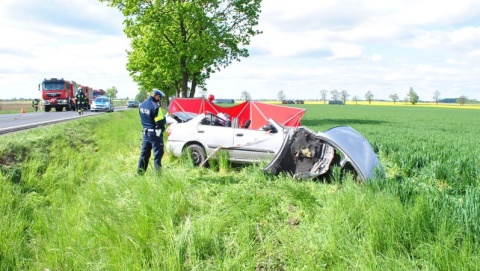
(214, 137)
(255, 145)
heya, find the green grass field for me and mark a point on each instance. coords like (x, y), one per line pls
(70, 200)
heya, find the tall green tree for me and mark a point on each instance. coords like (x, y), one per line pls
(369, 96)
(112, 92)
(323, 95)
(355, 99)
(335, 94)
(394, 97)
(176, 45)
(245, 96)
(462, 100)
(412, 96)
(436, 96)
(344, 95)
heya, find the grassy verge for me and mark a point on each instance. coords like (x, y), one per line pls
(70, 200)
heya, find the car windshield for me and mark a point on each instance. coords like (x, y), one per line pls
(101, 100)
(53, 86)
(131, 102)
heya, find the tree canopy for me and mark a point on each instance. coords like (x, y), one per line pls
(436, 96)
(246, 96)
(335, 94)
(413, 96)
(462, 99)
(323, 95)
(112, 92)
(369, 96)
(344, 94)
(394, 97)
(176, 45)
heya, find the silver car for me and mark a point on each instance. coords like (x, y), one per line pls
(294, 150)
(102, 103)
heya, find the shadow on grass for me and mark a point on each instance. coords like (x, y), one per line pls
(340, 122)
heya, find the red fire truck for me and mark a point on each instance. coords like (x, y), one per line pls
(58, 94)
(99, 92)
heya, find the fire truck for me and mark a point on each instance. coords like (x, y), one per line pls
(99, 92)
(58, 93)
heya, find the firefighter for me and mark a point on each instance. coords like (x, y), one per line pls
(35, 104)
(81, 101)
(153, 122)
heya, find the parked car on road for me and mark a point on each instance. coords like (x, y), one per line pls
(295, 150)
(132, 104)
(102, 103)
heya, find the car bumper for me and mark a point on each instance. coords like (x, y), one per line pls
(104, 109)
(175, 147)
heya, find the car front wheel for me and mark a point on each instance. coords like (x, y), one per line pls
(198, 155)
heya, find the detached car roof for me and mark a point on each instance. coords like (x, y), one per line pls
(355, 152)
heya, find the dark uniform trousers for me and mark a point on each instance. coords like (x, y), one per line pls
(150, 140)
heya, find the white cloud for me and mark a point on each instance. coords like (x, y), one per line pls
(455, 61)
(76, 40)
(376, 57)
(345, 50)
(474, 53)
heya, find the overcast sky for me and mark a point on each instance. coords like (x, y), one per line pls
(385, 46)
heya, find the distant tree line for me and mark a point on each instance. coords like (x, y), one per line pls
(411, 97)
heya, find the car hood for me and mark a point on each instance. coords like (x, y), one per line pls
(307, 154)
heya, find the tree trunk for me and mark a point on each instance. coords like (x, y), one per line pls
(183, 60)
(184, 80)
(194, 86)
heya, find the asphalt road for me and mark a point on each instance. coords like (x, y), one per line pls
(23, 121)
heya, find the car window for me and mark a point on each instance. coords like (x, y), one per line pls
(214, 120)
(101, 100)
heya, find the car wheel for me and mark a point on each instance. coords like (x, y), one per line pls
(198, 154)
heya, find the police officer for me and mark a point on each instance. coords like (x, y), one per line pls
(153, 122)
(80, 100)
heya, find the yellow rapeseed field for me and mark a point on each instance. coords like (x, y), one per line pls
(389, 103)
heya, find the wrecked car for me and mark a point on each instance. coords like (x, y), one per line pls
(307, 154)
(298, 151)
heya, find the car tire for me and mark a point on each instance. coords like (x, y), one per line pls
(198, 154)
